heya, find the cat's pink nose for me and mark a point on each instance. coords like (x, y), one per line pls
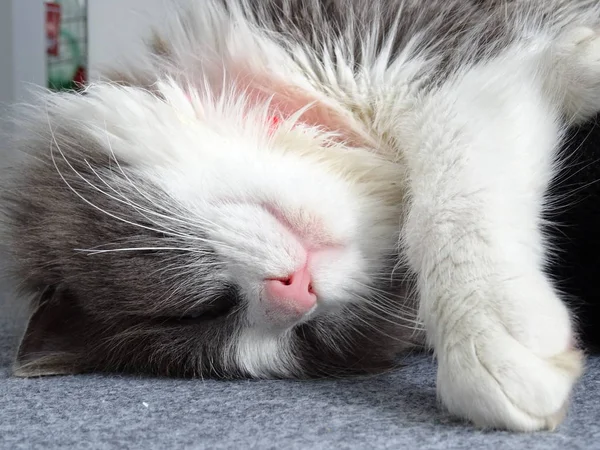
(293, 294)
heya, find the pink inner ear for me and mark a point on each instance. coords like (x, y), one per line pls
(286, 100)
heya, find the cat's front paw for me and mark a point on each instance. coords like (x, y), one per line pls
(495, 382)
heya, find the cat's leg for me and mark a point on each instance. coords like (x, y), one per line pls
(478, 171)
(572, 72)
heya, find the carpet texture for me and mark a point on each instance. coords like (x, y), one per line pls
(396, 410)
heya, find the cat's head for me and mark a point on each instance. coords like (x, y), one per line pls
(196, 226)
(166, 233)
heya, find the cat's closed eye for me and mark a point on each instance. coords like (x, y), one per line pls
(224, 305)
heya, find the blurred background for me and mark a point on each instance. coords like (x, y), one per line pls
(64, 43)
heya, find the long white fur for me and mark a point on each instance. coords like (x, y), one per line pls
(476, 155)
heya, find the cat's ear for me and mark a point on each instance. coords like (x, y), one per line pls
(318, 110)
(53, 341)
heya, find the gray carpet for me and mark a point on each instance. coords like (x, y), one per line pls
(396, 410)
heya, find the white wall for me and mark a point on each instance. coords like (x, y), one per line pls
(22, 48)
(6, 53)
(117, 29)
(29, 46)
(6, 74)
(22, 58)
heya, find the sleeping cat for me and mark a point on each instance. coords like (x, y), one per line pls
(301, 188)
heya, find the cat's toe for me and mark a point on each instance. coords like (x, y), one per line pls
(495, 382)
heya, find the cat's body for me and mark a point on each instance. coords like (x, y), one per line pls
(280, 185)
